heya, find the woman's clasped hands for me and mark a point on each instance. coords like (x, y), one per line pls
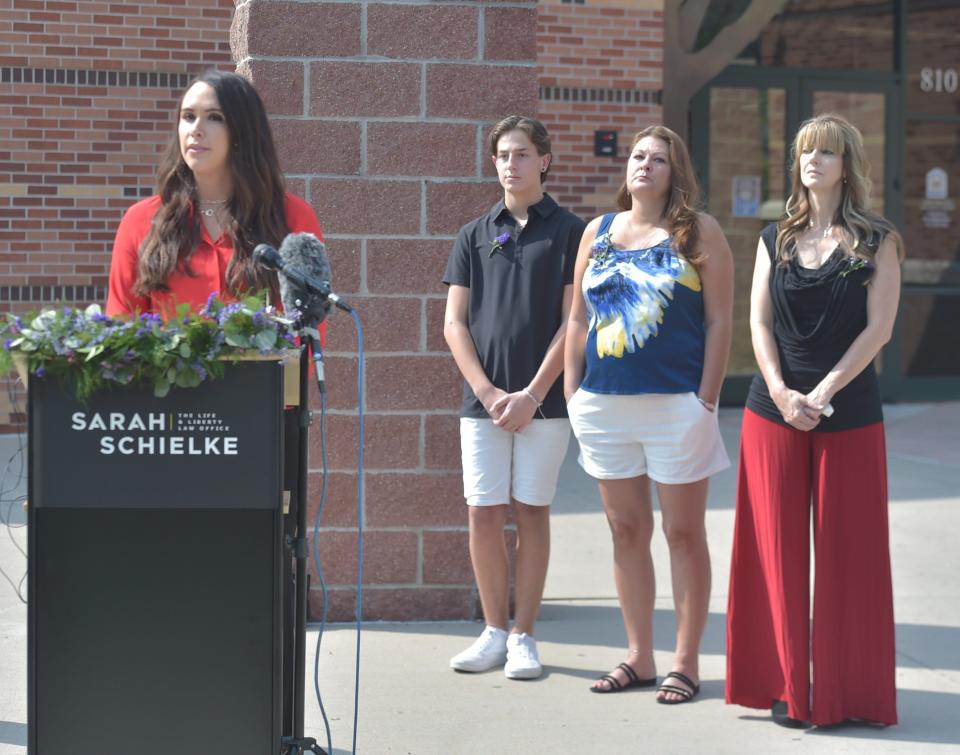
(802, 411)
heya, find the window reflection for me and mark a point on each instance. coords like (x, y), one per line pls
(746, 189)
(933, 58)
(853, 35)
(931, 217)
(928, 325)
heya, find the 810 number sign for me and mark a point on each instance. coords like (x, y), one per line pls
(939, 80)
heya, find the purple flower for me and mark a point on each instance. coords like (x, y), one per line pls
(497, 244)
(857, 263)
(40, 372)
(601, 246)
(208, 307)
(227, 312)
(7, 344)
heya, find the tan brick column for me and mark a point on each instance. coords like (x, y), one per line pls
(380, 111)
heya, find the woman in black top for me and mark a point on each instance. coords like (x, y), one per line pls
(823, 303)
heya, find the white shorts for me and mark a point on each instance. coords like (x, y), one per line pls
(670, 437)
(500, 465)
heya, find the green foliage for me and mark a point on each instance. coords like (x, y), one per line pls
(88, 351)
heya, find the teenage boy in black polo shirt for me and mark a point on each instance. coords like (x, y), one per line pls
(510, 279)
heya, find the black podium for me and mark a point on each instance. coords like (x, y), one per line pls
(155, 551)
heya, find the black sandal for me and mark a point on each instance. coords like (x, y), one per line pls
(615, 685)
(686, 695)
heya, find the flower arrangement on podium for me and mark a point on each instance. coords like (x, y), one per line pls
(89, 351)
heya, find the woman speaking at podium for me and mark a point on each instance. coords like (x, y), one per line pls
(219, 194)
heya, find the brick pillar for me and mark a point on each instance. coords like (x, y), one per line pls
(380, 111)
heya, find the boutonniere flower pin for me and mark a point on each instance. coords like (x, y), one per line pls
(601, 245)
(856, 263)
(497, 244)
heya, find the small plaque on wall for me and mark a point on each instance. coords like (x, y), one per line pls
(605, 143)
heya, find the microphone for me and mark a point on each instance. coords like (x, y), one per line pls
(304, 275)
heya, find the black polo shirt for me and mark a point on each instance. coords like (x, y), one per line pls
(516, 294)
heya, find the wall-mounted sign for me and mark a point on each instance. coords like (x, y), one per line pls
(745, 196)
(937, 205)
(605, 143)
(936, 184)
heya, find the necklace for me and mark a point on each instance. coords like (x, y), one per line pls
(213, 206)
(826, 231)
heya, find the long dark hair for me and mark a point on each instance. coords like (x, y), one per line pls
(256, 206)
(683, 201)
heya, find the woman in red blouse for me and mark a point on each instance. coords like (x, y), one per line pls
(220, 193)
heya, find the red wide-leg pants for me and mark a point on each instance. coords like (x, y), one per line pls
(843, 475)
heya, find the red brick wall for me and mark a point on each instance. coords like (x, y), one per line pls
(87, 93)
(600, 67)
(383, 133)
(380, 111)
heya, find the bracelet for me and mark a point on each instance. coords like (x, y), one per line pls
(706, 404)
(529, 394)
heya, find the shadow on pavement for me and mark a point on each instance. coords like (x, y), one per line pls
(600, 626)
(12, 733)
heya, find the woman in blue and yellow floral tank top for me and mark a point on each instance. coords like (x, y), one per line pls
(647, 345)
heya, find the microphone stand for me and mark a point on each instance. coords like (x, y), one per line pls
(297, 545)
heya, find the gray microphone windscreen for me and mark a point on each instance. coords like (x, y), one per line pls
(307, 254)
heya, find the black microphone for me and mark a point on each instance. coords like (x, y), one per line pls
(304, 275)
(307, 253)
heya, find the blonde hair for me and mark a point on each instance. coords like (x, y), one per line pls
(860, 230)
(684, 198)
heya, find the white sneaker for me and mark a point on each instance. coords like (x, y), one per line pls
(488, 651)
(523, 661)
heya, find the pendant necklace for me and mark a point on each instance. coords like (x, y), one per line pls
(213, 206)
(826, 231)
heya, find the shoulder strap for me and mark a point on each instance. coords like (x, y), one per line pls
(605, 223)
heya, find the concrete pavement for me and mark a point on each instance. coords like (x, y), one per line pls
(411, 702)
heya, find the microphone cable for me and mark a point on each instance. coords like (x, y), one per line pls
(356, 679)
(318, 363)
(315, 549)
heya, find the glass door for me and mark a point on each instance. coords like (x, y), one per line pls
(742, 128)
(927, 356)
(746, 186)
